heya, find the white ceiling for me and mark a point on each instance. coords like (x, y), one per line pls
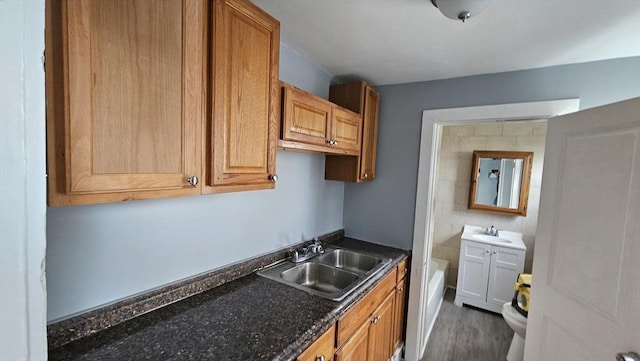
(400, 41)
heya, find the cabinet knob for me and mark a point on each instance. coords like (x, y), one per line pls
(320, 358)
(330, 141)
(193, 180)
(487, 251)
(366, 175)
(494, 252)
(273, 177)
(335, 142)
(400, 289)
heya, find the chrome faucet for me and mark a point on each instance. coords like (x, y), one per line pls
(316, 246)
(491, 231)
(314, 249)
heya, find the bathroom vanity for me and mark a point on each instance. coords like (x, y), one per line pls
(489, 266)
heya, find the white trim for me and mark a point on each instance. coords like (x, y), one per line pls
(432, 122)
(23, 330)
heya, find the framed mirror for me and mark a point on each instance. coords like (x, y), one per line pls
(500, 181)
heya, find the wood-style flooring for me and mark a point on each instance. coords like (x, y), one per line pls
(467, 333)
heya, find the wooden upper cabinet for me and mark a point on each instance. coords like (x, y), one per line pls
(124, 82)
(345, 129)
(306, 118)
(130, 112)
(363, 99)
(315, 124)
(369, 134)
(243, 129)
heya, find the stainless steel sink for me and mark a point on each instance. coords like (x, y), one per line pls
(350, 260)
(332, 275)
(319, 277)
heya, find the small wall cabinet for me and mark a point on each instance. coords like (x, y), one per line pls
(361, 98)
(314, 124)
(486, 274)
(127, 114)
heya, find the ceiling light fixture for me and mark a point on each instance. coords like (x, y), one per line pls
(460, 9)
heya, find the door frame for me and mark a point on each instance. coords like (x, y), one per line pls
(432, 123)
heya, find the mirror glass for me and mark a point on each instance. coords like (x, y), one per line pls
(500, 181)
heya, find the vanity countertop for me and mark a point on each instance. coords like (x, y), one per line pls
(251, 318)
(504, 239)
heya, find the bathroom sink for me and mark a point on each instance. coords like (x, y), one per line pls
(332, 275)
(488, 238)
(507, 239)
(350, 260)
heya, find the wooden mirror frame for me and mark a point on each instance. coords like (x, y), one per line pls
(527, 158)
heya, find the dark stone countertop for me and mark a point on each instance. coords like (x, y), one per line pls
(251, 318)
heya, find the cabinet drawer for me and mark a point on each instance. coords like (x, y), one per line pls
(323, 346)
(403, 269)
(359, 313)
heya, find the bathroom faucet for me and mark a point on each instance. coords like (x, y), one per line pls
(491, 231)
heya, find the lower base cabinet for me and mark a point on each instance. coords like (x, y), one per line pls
(370, 330)
(357, 346)
(400, 306)
(322, 349)
(381, 331)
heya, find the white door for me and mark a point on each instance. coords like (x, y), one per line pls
(585, 296)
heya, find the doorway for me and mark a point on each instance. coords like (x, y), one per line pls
(433, 122)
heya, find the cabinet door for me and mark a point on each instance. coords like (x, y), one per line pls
(356, 348)
(245, 113)
(369, 134)
(345, 129)
(322, 348)
(305, 118)
(125, 84)
(398, 314)
(381, 331)
(364, 100)
(473, 274)
(506, 263)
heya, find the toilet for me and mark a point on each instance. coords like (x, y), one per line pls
(518, 324)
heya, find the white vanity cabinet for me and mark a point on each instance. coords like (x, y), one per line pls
(487, 271)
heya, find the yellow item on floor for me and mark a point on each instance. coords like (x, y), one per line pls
(521, 297)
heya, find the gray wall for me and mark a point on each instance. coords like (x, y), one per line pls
(383, 211)
(100, 253)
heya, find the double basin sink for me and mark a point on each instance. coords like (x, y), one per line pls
(332, 275)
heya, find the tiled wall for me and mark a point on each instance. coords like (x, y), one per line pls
(454, 173)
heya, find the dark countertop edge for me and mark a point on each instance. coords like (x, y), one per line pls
(87, 323)
(322, 325)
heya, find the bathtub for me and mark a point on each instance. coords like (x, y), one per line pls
(437, 284)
